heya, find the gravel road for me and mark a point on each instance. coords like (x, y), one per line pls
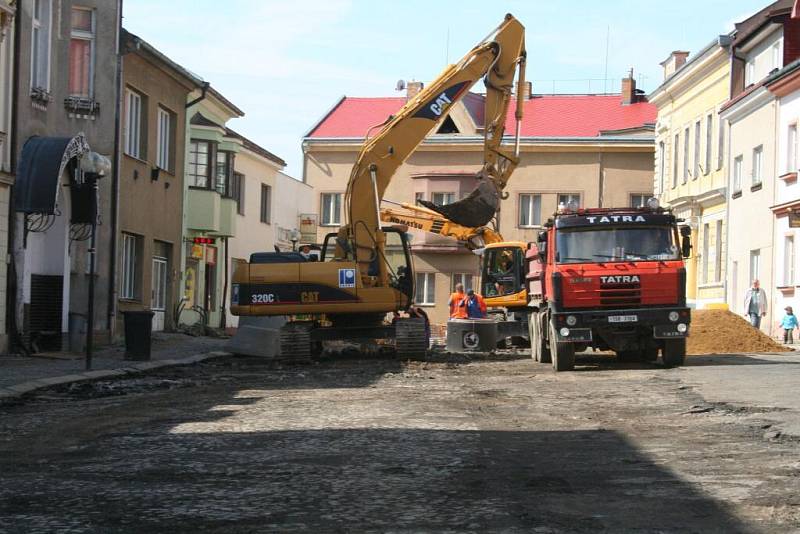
(378, 445)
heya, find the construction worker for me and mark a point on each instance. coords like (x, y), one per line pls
(474, 305)
(456, 312)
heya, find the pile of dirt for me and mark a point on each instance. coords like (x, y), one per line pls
(723, 332)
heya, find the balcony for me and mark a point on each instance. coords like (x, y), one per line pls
(209, 212)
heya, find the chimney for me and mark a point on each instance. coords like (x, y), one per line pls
(628, 89)
(675, 61)
(527, 90)
(413, 89)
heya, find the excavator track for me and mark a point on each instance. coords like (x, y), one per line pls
(295, 343)
(411, 340)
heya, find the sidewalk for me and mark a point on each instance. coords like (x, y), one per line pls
(20, 374)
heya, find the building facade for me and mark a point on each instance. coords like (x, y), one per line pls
(785, 85)
(210, 208)
(8, 10)
(596, 149)
(690, 163)
(761, 46)
(155, 92)
(256, 173)
(66, 86)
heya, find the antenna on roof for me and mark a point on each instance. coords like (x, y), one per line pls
(605, 72)
(401, 85)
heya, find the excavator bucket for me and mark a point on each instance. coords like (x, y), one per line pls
(477, 209)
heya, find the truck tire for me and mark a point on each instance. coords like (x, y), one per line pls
(411, 340)
(561, 353)
(674, 352)
(540, 352)
(650, 354)
(629, 356)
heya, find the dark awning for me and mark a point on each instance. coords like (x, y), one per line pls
(41, 164)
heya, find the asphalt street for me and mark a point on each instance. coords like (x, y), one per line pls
(378, 445)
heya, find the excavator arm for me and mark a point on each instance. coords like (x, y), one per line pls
(497, 58)
(427, 220)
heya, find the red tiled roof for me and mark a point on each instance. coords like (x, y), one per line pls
(545, 116)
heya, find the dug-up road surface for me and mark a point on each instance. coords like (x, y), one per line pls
(378, 445)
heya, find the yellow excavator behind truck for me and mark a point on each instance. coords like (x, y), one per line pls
(366, 270)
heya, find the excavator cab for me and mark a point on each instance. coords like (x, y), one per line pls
(503, 271)
(396, 255)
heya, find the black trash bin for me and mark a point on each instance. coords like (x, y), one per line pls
(138, 330)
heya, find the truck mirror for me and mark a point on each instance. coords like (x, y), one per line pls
(686, 246)
(542, 246)
(686, 231)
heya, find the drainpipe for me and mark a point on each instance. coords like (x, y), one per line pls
(111, 312)
(201, 97)
(223, 307)
(601, 180)
(12, 275)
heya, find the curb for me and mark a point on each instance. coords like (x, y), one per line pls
(18, 390)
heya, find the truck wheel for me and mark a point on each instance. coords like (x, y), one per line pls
(544, 349)
(535, 346)
(674, 353)
(562, 353)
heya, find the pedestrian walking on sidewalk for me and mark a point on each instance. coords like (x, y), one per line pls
(755, 304)
(789, 323)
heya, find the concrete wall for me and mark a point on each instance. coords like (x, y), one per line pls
(152, 208)
(53, 118)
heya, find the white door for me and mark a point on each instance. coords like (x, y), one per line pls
(159, 298)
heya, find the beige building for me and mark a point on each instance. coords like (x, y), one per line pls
(689, 162)
(596, 149)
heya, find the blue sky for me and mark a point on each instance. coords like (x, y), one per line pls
(287, 63)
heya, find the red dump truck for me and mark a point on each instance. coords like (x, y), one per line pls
(610, 279)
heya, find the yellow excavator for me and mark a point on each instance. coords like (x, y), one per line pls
(366, 270)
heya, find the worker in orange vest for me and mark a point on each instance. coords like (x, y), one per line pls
(456, 311)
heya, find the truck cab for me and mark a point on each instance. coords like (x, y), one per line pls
(610, 279)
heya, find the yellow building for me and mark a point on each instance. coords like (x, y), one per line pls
(690, 162)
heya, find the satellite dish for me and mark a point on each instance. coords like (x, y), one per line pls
(401, 85)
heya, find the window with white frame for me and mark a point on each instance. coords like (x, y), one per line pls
(639, 200)
(758, 156)
(737, 174)
(675, 152)
(331, 209)
(426, 288)
(661, 156)
(462, 278)
(776, 56)
(530, 210)
(129, 267)
(696, 171)
(440, 199)
(791, 148)
(133, 124)
(686, 155)
(566, 198)
(788, 260)
(266, 203)
(755, 264)
(706, 246)
(720, 143)
(222, 172)
(40, 44)
(164, 140)
(81, 53)
(718, 251)
(198, 167)
(709, 143)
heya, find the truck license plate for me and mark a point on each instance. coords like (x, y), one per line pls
(622, 319)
